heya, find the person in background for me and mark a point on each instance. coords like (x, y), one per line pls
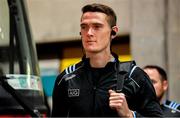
(159, 79)
(89, 88)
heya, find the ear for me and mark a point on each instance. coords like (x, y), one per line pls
(165, 85)
(115, 30)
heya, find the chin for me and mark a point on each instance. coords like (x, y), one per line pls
(91, 50)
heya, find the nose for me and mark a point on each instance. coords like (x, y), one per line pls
(90, 31)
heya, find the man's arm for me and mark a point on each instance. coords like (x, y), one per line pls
(146, 103)
(60, 103)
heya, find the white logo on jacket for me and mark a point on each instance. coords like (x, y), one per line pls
(73, 92)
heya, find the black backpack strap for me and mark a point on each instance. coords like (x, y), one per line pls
(126, 66)
(123, 69)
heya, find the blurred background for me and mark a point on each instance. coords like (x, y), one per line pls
(149, 33)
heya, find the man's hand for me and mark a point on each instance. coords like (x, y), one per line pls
(117, 101)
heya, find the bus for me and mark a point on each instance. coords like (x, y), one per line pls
(21, 91)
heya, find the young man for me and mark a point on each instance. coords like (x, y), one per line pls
(89, 88)
(158, 77)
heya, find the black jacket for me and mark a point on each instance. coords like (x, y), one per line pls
(171, 109)
(81, 90)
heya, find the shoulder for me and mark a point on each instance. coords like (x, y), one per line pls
(68, 72)
(172, 105)
(137, 74)
(134, 73)
(132, 69)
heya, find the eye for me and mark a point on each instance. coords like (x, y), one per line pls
(153, 82)
(97, 26)
(83, 27)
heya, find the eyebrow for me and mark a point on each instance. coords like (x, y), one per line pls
(82, 24)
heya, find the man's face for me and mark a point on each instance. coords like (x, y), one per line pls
(159, 85)
(95, 32)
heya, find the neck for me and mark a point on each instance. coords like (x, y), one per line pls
(100, 60)
(161, 99)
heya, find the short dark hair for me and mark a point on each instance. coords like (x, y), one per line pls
(95, 7)
(160, 70)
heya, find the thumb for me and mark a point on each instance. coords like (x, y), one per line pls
(111, 91)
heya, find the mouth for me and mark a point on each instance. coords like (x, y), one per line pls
(91, 42)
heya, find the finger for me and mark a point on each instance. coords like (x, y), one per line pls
(116, 98)
(111, 91)
(115, 105)
(114, 94)
(115, 101)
